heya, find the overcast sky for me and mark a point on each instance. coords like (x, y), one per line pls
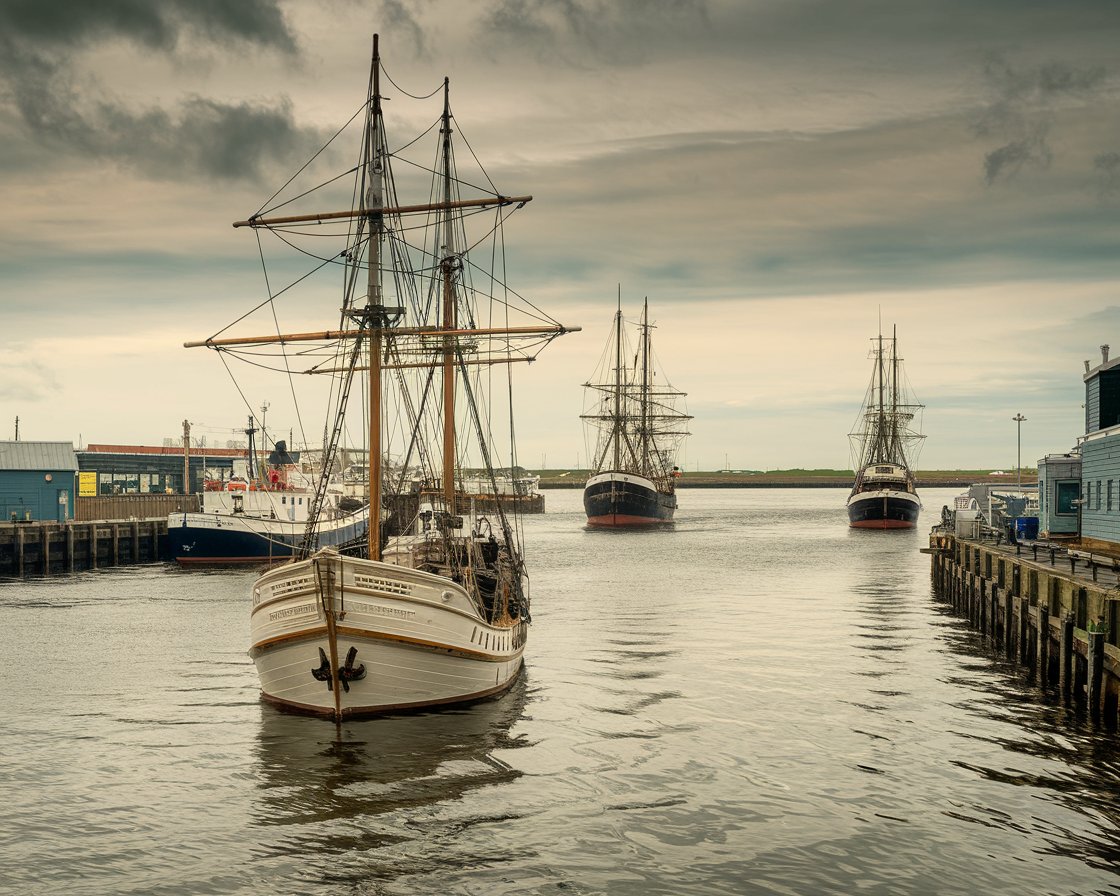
(774, 176)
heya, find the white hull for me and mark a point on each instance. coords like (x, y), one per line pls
(417, 637)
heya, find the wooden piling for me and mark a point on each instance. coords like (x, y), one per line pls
(1042, 651)
(1065, 656)
(1008, 627)
(1024, 629)
(45, 549)
(1095, 674)
(116, 536)
(69, 547)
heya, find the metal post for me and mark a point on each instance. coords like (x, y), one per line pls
(1019, 418)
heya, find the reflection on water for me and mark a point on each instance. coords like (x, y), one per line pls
(310, 771)
(761, 700)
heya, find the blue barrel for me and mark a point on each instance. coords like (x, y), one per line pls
(1026, 527)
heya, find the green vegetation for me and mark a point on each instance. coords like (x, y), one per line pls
(798, 475)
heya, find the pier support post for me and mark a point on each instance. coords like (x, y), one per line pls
(93, 545)
(69, 547)
(1042, 651)
(1008, 627)
(1024, 629)
(45, 548)
(20, 540)
(1094, 689)
(1065, 656)
(116, 530)
(135, 542)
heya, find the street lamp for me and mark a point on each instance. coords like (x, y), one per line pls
(1019, 418)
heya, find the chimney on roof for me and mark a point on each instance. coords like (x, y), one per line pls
(1087, 363)
(1104, 354)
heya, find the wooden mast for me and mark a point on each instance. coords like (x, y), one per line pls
(618, 383)
(449, 316)
(896, 436)
(376, 309)
(647, 466)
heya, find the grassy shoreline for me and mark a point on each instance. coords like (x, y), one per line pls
(798, 478)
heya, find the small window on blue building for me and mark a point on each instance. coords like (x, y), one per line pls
(1065, 494)
(1098, 494)
(1108, 496)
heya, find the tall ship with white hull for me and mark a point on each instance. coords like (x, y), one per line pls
(884, 444)
(638, 429)
(432, 609)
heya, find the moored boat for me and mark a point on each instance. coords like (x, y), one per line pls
(633, 477)
(884, 495)
(433, 608)
(260, 519)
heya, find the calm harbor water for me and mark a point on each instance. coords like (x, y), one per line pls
(759, 701)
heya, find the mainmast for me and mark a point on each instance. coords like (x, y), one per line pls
(447, 265)
(618, 383)
(896, 436)
(376, 307)
(647, 467)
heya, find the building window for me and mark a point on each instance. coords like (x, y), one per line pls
(1098, 494)
(1108, 496)
(1066, 493)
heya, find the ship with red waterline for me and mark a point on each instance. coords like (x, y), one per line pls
(638, 427)
(884, 443)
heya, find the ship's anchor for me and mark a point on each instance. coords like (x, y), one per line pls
(323, 673)
(346, 674)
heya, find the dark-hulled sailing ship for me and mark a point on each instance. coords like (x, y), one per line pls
(633, 476)
(883, 446)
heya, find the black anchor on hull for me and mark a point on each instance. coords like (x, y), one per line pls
(323, 673)
(346, 674)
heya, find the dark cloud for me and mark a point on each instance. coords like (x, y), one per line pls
(1009, 159)
(613, 30)
(399, 18)
(1107, 166)
(202, 137)
(65, 113)
(1021, 111)
(68, 23)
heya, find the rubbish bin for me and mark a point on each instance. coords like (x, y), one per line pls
(1026, 527)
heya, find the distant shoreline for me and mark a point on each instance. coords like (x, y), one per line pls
(551, 479)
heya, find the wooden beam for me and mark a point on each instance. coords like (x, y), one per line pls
(394, 332)
(386, 210)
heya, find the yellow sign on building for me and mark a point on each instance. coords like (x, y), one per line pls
(87, 484)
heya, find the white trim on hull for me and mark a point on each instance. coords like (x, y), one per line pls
(417, 639)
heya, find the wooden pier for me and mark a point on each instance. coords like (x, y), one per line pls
(109, 530)
(48, 549)
(1053, 608)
